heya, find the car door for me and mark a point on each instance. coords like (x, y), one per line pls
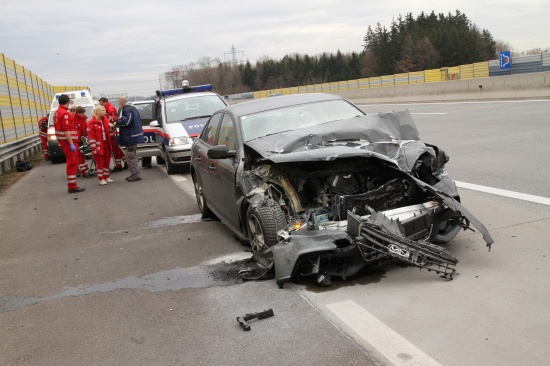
(222, 174)
(201, 163)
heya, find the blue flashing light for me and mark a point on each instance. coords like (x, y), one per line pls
(192, 89)
(82, 94)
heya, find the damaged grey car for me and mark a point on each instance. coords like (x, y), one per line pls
(319, 188)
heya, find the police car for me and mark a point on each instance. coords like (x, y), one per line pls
(77, 98)
(180, 117)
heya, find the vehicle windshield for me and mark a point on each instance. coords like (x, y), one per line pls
(192, 107)
(294, 117)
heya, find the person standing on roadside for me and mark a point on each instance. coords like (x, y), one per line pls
(118, 154)
(80, 121)
(100, 142)
(43, 132)
(131, 134)
(67, 136)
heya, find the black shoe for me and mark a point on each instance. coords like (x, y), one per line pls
(125, 165)
(76, 190)
(127, 178)
(116, 169)
(134, 179)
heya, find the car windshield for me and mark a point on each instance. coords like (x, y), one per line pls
(294, 117)
(192, 107)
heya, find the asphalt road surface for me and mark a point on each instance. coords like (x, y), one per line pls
(128, 274)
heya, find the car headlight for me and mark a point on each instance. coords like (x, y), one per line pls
(179, 141)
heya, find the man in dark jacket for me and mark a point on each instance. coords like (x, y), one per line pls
(130, 134)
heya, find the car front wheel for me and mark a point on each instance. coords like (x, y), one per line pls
(263, 224)
(170, 167)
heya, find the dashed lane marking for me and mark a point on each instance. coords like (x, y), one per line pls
(391, 345)
(505, 193)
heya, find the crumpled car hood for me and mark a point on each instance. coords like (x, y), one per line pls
(388, 136)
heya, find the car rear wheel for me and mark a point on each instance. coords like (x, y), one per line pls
(203, 207)
(160, 160)
(263, 224)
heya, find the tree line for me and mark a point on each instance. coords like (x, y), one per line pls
(410, 44)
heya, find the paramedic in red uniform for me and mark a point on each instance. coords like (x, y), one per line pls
(117, 151)
(43, 128)
(100, 141)
(65, 131)
(80, 121)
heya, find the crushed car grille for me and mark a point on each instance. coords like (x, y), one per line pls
(375, 243)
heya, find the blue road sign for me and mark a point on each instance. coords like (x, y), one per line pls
(505, 60)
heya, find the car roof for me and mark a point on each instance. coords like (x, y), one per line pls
(189, 95)
(143, 101)
(264, 104)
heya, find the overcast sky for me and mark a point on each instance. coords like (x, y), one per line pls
(123, 46)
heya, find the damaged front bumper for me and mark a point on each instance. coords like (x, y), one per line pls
(404, 234)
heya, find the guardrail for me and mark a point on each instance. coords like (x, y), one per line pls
(18, 150)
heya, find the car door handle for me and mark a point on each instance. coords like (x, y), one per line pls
(198, 158)
(211, 167)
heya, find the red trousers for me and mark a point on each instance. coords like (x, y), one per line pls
(71, 159)
(118, 154)
(82, 165)
(103, 161)
(45, 146)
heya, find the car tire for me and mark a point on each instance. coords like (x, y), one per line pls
(170, 167)
(263, 223)
(201, 202)
(160, 160)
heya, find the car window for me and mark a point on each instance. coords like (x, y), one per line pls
(208, 134)
(145, 113)
(226, 136)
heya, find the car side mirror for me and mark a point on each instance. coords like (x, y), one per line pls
(221, 152)
(154, 124)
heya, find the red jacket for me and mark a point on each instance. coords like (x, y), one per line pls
(80, 123)
(43, 131)
(98, 134)
(111, 113)
(64, 121)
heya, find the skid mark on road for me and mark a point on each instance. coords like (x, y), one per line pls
(224, 272)
(398, 350)
(165, 221)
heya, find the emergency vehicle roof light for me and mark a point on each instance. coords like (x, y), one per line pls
(192, 89)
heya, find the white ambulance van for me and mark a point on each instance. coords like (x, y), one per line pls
(78, 98)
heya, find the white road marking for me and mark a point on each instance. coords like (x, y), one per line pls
(465, 102)
(505, 193)
(398, 350)
(180, 181)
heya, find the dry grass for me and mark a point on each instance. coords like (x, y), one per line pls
(11, 176)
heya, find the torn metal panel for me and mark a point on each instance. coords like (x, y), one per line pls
(286, 254)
